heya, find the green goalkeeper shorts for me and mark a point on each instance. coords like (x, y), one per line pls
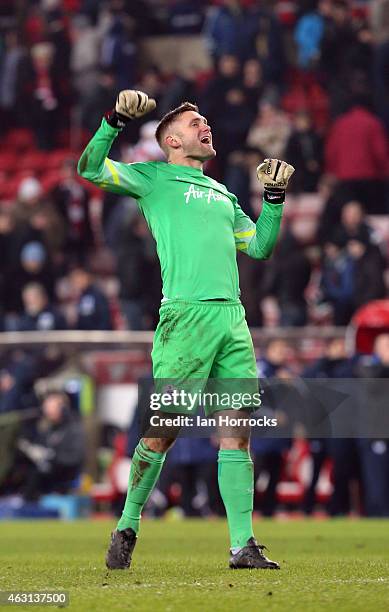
(205, 343)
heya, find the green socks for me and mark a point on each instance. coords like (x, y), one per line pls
(236, 485)
(146, 467)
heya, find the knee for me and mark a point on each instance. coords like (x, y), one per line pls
(232, 443)
(158, 445)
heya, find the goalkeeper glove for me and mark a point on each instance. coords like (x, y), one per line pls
(130, 104)
(274, 174)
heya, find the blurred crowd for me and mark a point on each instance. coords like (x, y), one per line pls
(303, 81)
(305, 468)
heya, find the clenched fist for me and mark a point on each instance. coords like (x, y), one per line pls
(132, 103)
(274, 173)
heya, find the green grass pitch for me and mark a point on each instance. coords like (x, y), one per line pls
(182, 566)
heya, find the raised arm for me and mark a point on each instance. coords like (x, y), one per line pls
(258, 239)
(94, 165)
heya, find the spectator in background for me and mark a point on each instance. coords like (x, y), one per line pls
(182, 86)
(93, 311)
(9, 261)
(379, 20)
(57, 33)
(337, 281)
(39, 314)
(226, 77)
(336, 40)
(36, 218)
(308, 35)
(268, 452)
(368, 271)
(151, 82)
(71, 201)
(286, 278)
(185, 17)
(96, 99)
(231, 134)
(192, 467)
(365, 172)
(46, 96)
(269, 46)
(253, 83)
(333, 364)
(351, 276)
(54, 452)
(334, 195)
(13, 69)
(353, 223)
(134, 264)
(270, 131)
(35, 266)
(304, 150)
(17, 376)
(374, 454)
(119, 52)
(231, 29)
(274, 359)
(84, 57)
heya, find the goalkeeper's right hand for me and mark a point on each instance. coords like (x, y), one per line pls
(130, 104)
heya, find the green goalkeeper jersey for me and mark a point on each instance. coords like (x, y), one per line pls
(197, 223)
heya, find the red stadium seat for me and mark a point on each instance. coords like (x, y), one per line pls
(8, 161)
(34, 161)
(9, 188)
(20, 139)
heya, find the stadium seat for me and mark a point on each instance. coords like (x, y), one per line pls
(9, 188)
(35, 161)
(8, 160)
(19, 140)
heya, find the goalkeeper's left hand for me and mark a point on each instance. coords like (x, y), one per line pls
(274, 174)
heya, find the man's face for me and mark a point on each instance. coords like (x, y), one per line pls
(191, 133)
(352, 214)
(381, 348)
(34, 301)
(79, 280)
(53, 408)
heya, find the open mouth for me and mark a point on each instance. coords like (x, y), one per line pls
(206, 140)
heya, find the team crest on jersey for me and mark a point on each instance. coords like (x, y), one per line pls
(198, 194)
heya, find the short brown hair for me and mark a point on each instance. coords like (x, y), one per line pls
(171, 116)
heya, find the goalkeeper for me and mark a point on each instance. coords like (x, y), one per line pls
(198, 225)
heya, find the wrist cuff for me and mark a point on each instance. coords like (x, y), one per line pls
(116, 120)
(274, 196)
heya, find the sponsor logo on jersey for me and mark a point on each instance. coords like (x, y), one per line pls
(210, 195)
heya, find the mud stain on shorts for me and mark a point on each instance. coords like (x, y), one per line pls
(168, 325)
